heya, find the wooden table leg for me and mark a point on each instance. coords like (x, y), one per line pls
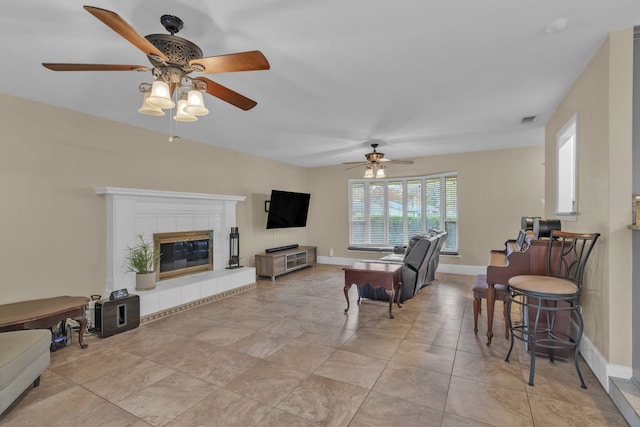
(491, 303)
(392, 295)
(83, 326)
(346, 295)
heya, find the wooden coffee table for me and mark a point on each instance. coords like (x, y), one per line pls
(377, 275)
(43, 314)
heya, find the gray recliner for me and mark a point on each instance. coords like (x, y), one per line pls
(418, 266)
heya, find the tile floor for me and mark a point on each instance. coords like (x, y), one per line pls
(285, 354)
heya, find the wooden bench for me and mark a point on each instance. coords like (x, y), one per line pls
(44, 313)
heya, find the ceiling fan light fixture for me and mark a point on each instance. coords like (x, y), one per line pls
(380, 172)
(160, 95)
(368, 173)
(149, 109)
(181, 116)
(195, 104)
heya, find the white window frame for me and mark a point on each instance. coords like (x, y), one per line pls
(567, 171)
(367, 182)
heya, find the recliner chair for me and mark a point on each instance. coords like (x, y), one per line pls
(419, 265)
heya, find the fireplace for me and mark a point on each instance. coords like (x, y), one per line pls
(132, 211)
(183, 253)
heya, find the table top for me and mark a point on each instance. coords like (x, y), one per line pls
(29, 311)
(377, 267)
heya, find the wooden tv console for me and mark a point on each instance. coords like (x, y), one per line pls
(276, 263)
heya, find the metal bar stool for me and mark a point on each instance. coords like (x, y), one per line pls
(548, 296)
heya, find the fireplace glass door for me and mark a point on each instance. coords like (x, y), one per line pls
(184, 253)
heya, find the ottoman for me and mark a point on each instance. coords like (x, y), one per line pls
(24, 356)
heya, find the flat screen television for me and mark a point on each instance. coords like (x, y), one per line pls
(288, 209)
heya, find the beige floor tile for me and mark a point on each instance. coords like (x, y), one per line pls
(124, 382)
(379, 410)
(267, 382)
(222, 334)
(260, 344)
(489, 371)
(450, 420)
(352, 368)
(183, 324)
(280, 418)
(164, 400)
(222, 409)
(425, 356)
(433, 335)
(72, 407)
(302, 355)
(554, 412)
(83, 369)
(497, 406)
(428, 388)
(181, 353)
(324, 401)
(220, 368)
(372, 345)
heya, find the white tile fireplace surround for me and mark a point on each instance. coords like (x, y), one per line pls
(131, 212)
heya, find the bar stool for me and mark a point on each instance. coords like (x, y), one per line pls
(545, 297)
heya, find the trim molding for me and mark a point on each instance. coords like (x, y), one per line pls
(193, 304)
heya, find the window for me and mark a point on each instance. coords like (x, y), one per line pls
(387, 212)
(567, 170)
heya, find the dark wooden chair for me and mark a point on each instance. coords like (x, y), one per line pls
(480, 289)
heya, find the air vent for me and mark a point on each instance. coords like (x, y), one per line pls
(527, 120)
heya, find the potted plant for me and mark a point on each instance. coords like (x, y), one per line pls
(142, 260)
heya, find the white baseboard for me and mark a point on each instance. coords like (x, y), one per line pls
(601, 368)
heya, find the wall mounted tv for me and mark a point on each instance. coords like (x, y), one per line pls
(287, 209)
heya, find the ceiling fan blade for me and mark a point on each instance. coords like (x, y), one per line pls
(354, 163)
(401, 162)
(93, 67)
(122, 27)
(227, 95)
(353, 167)
(243, 61)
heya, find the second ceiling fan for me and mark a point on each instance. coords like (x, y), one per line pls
(173, 58)
(375, 164)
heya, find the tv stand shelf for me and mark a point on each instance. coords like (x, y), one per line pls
(277, 263)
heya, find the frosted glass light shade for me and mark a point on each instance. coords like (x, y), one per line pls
(149, 109)
(181, 116)
(380, 173)
(160, 96)
(195, 104)
(368, 173)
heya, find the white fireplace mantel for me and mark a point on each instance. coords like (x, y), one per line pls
(132, 212)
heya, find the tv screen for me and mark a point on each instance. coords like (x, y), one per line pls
(288, 209)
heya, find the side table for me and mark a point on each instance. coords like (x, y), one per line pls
(377, 275)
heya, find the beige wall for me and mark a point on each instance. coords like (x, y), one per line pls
(495, 189)
(602, 96)
(53, 225)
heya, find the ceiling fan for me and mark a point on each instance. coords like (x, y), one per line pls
(375, 164)
(173, 58)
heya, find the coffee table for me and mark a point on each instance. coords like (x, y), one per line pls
(43, 314)
(377, 275)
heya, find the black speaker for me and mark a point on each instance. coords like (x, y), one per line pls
(120, 315)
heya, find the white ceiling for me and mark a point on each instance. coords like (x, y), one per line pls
(420, 77)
